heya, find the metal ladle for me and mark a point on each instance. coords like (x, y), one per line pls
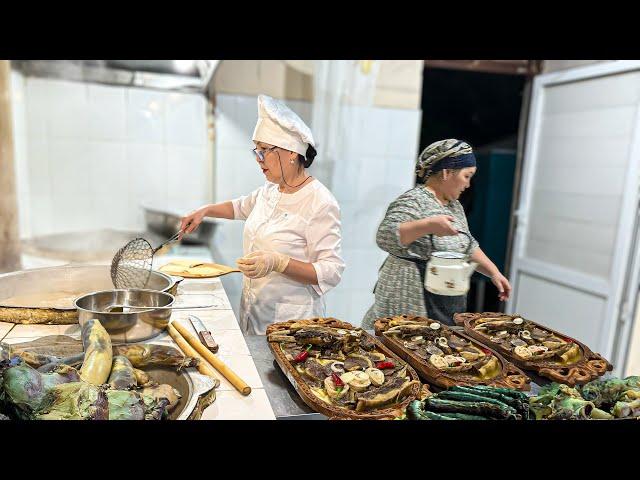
(131, 265)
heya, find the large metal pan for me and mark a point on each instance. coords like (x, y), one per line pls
(46, 295)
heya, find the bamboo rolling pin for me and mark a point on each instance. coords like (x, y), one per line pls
(203, 367)
(236, 381)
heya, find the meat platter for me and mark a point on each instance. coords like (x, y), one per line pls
(533, 346)
(445, 357)
(342, 371)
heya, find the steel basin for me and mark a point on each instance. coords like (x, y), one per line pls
(129, 326)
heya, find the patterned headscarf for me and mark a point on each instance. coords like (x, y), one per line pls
(458, 153)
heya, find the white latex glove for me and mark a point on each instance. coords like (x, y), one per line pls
(259, 264)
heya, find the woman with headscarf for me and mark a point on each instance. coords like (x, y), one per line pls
(430, 210)
(292, 238)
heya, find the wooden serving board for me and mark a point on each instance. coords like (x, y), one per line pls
(510, 376)
(196, 269)
(333, 411)
(589, 367)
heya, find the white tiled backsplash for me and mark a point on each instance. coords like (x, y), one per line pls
(383, 143)
(88, 155)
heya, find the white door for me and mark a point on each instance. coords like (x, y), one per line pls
(576, 216)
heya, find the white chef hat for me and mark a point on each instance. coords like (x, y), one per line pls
(278, 125)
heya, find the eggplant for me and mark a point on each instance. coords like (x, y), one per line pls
(125, 405)
(24, 388)
(147, 354)
(143, 379)
(74, 401)
(122, 376)
(606, 392)
(155, 409)
(97, 353)
(163, 391)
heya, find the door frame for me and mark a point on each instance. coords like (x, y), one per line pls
(610, 289)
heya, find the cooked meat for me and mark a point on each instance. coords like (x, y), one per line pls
(355, 361)
(393, 390)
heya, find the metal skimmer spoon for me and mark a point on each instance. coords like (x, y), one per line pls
(131, 265)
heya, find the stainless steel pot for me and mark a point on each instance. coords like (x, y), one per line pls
(131, 326)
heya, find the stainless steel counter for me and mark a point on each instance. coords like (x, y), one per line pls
(285, 401)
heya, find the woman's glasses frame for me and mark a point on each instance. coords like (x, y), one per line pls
(261, 154)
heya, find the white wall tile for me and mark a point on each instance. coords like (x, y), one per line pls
(41, 214)
(148, 170)
(404, 133)
(187, 179)
(105, 148)
(107, 112)
(230, 134)
(184, 115)
(72, 213)
(373, 134)
(69, 167)
(68, 115)
(145, 115)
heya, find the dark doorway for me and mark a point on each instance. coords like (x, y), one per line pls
(482, 109)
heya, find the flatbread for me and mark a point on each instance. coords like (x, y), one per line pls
(196, 269)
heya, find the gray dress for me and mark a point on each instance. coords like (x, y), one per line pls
(400, 288)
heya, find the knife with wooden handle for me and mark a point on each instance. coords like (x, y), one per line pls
(203, 334)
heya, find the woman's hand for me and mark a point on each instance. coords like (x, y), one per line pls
(503, 286)
(192, 221)
(442, 225)
(260, 264)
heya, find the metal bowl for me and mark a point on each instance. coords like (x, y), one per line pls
(193, 386)
(128, 326)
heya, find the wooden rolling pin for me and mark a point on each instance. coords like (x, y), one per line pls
(236, 381)
(203, 367)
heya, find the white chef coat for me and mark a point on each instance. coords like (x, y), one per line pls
(304, 225)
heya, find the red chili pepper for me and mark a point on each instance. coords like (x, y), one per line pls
(383, 365)
(337, 380)
(302, 356)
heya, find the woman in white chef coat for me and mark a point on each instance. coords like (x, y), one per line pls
(292, 238)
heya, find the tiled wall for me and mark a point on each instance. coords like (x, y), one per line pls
(95, 153)
(378, 167)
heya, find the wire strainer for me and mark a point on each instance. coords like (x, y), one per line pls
(131, 265)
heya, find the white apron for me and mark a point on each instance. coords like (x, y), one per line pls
(280, 222)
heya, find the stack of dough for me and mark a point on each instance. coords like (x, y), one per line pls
(196, 269)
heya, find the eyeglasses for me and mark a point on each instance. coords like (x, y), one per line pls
(261, 154)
